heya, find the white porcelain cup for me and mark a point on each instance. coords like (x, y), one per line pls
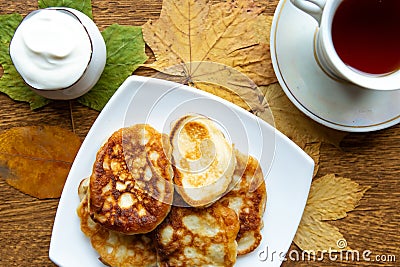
(323, 12)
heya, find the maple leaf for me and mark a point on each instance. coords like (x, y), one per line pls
(229, 84)
(293, 123)
(287, 118)
(36, 159)
(189, 33)
(330, 198)
(314, 151)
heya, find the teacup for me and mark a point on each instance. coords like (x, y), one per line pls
(373, 63)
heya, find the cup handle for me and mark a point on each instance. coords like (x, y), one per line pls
(313, 8)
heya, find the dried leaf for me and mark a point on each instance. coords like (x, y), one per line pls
(313, 150)
(36, 159)
(229, 84)
(316, 236)
(330, 198)
(293, 123)
(224, 93)
(197, 31)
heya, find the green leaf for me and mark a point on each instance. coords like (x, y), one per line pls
(125, 53)
(8, 24)
(11, 83)
(85, 6)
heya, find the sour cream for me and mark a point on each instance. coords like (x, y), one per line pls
(53, 49)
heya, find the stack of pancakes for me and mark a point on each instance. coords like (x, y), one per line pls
(187, 199)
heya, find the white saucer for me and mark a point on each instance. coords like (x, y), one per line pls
(334, 103)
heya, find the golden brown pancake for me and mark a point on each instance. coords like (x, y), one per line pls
(203, 160)
(198, 237)
(116, 249)
(131, 187)
(247, 199)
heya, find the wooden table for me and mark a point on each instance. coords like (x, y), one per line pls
(371, 159)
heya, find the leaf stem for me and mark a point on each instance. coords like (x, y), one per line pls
(71, 116)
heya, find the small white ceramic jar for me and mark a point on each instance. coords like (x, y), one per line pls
(59, 52)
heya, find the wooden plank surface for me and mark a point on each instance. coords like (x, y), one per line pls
(370, 159)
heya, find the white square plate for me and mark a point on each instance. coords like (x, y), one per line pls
(287, 169)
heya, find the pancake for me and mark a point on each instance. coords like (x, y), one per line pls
(247, 198)
(83, 188)
(131, 187)
(116, 249)
(203, 160)
(197, 237)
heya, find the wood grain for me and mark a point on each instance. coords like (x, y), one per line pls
(370, 159)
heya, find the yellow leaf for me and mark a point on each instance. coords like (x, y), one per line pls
(313, 150)
(293, 123)
(36, 159)
(316, 236)
(224, 93)
(196, 31)
(229, 84)
(330, 198)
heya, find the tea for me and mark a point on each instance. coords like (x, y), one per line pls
(366, 34)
